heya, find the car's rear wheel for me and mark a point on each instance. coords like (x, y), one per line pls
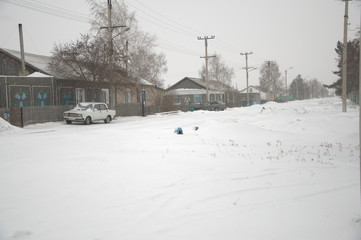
(68, 121)
(87, 121)
(108, 119)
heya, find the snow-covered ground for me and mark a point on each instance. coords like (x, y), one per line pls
(288, 171)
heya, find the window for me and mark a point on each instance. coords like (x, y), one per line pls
(105, 96)
(197, 98)
(127, 96)
(177, 100)
(212, 97)
(102, 107)
(97, 107)
(79, 95)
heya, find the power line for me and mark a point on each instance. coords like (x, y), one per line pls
(161, 23)
(159, 20)
(177, 48)
(50, 10)
(169, 19)
(10, 35)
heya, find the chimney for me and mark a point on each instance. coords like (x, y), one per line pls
(23, 71)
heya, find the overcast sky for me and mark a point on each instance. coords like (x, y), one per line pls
(295, 33)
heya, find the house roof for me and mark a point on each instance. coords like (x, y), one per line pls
(213, 85)
(255, 87)
(38, 74)
(38, 62)
(145, 82)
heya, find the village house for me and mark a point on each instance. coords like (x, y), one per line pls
(193, 91)
(39, 80)
(255, 94)
(37, 86)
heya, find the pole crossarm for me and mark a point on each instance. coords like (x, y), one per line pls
(213, 56)
(206, 37)
(119, 26)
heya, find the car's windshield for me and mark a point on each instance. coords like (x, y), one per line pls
(83, 106)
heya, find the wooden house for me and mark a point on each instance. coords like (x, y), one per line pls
(41, 83)
(193, 91)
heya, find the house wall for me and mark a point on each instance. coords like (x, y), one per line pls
(69, 92)
(254, 98)
(154, 95)
(26, 91)
(132, 94)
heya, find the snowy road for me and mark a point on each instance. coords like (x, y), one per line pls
(287, 172)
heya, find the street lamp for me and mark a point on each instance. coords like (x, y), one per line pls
(286, 78)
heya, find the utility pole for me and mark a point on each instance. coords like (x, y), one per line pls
(205, 38)
(269, 79)
(246, 54)
(286, 88)
(344, 59)
(110, 28)
(359, 104)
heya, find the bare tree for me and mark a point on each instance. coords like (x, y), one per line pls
(270, 77)
(84, 59)
(136, 48)
(218, 71)
(316, 88)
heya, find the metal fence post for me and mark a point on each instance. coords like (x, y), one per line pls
(22, 117)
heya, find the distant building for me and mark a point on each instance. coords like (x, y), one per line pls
(256, 96)
(192, 91)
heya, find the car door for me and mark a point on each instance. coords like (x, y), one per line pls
(96, 112)
(103, 111)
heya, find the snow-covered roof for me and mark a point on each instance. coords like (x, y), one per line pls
(38, 74)
(187, 91)
(145, 82)
(252, 87)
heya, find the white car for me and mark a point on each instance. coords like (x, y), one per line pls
(88, 112)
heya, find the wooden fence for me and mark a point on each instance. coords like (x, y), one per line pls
(39, 114)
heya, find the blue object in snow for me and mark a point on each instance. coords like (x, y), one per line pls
(178, 131)
(195, 128)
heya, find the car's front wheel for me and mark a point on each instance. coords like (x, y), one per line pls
(87, 121)
(108, 119)
(68, 121)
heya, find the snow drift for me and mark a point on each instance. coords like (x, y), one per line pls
(288, 171)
